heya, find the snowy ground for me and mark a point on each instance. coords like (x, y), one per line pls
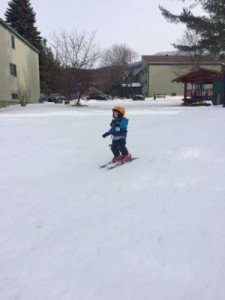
(149, 230)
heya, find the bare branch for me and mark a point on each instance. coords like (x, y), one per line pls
(117, 59)
(77, 53)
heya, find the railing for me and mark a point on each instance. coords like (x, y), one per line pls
(199, 94)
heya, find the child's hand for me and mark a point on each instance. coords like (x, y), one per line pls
(105, 134)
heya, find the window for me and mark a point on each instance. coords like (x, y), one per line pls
(11, 41)
(15, 96)
(13, 70)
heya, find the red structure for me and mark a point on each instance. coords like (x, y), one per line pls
(198, 84)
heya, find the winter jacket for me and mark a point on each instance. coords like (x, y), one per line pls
(118, 128)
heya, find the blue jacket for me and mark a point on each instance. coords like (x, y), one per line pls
(119, 128)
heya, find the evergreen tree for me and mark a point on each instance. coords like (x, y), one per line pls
(210, 26)
(21, 16)
(51, 70)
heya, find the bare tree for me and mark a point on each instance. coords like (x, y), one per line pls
(190, 44)
(117, 59)
(23, 94)
(77, 53)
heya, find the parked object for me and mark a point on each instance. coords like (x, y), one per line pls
(60, 99)
(99, 96)
(42, 98)
(138, 97)
(54, 97)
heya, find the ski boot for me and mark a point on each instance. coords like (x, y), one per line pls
(126, 158)
(117, 158)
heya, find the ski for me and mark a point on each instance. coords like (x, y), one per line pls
(106, 165)
(119, 163)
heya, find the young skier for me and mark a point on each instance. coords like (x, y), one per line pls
(118, 131)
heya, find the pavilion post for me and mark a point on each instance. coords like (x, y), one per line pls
(185, 91)
(223, 84)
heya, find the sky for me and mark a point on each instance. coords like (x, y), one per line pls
(149, 229)
(137, 24)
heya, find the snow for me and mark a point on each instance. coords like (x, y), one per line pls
(151, 229)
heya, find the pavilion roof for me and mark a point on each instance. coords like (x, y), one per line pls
(200, 75)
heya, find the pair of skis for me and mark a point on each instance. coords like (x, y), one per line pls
(111, 165)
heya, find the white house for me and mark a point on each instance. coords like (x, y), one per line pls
(19, 68)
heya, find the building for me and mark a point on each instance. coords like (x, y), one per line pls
(19, 68)
(132, 85)
(159, 70)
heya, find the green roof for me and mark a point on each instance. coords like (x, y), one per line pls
(9, 28)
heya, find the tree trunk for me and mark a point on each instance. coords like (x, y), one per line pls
(78, 100)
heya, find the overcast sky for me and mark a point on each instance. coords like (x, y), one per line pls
(138, 24)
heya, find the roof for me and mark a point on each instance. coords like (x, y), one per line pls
(200, 75)
(9, 28)
(176, 59)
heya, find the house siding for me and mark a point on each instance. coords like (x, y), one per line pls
(160, 79)
(27, 68)
(4, 75)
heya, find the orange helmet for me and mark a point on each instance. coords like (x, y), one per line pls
(120, 109)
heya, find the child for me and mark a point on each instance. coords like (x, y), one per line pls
(118, 131)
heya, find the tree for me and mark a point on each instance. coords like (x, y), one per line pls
(50, 70)
(210, 26)
(190, 42)
(77, 53)
(23, 94)
(21, 16)
(117, 59)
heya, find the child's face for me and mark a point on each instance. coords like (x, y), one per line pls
(115, 114)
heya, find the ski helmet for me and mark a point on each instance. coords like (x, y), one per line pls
(120, 109)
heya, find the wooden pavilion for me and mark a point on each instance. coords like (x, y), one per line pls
(198, 84)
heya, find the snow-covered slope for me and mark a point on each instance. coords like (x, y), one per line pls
(151, 229)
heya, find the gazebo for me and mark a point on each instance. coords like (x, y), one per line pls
(197, 84)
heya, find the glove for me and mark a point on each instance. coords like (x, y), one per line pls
(105, 134)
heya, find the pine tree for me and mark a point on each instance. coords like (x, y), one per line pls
(210, 26)
(21, 16)
(50, 70)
